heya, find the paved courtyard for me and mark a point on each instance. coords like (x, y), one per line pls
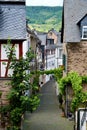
(48, 115)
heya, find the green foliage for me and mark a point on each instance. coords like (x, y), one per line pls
(84, 79)
(62, 84)
(79, 100)
(19, 103)
(44, 18)
(58, 73)
(15, 117)
(75, 81)
(19, 83)
(0, 94)
(24, 103)
(33, 102)
(4, 109)
(15, 128)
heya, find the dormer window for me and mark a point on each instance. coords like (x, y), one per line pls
(84, 32)
(83, 27)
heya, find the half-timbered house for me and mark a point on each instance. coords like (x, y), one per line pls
(13, 27)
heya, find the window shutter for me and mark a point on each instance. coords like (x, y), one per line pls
(64, 61)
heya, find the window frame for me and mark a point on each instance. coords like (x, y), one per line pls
(60, 53)
(83, 28)
(50, 41)
(6, 71)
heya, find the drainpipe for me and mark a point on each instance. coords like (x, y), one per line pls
(66, 60)
(66, 86)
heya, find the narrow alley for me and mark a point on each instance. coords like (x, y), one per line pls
(48, 115)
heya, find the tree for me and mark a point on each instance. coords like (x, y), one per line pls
(19, 102)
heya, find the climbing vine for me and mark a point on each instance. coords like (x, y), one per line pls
(75, 81)
(19, 96)
(58, 73)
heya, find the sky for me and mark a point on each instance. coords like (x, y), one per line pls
(44, 2)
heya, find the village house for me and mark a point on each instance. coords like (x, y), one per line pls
(34, 43)
(13, 27)
(42, 37)
(53, 48)
(74, 38)
(51, 51)
(55, 36)
(12, 31)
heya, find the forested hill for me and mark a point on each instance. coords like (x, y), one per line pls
(43, 18)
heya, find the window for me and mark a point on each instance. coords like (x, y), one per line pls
(60, 53)
(48, 52)
(53, 63)
(5, 71)
(84, 32)
(50, 41)
(64, 61)
(52, 51)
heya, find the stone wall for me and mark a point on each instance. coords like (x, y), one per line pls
(4, 88)
(77, 57)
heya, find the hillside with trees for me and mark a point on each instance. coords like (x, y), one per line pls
(43, 18)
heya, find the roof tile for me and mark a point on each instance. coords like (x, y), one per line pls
(12, 21)
(74, 11)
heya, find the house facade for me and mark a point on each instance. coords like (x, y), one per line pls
(55, 37)
(53, 48)
(59, 51)
(74, 38)
(13, 27)
(42, 37)
(34, 43)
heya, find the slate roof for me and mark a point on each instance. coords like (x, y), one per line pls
(54, 31)
(12, 21)
(74, 11)
(81, 19)
(42, 37)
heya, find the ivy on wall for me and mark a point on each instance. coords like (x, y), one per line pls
(75, 81)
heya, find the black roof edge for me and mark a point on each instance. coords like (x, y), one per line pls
(12, 40)
(62, 28)
(81, 19)
(13, 2)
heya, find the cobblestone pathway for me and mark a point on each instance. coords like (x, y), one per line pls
(48, 115)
